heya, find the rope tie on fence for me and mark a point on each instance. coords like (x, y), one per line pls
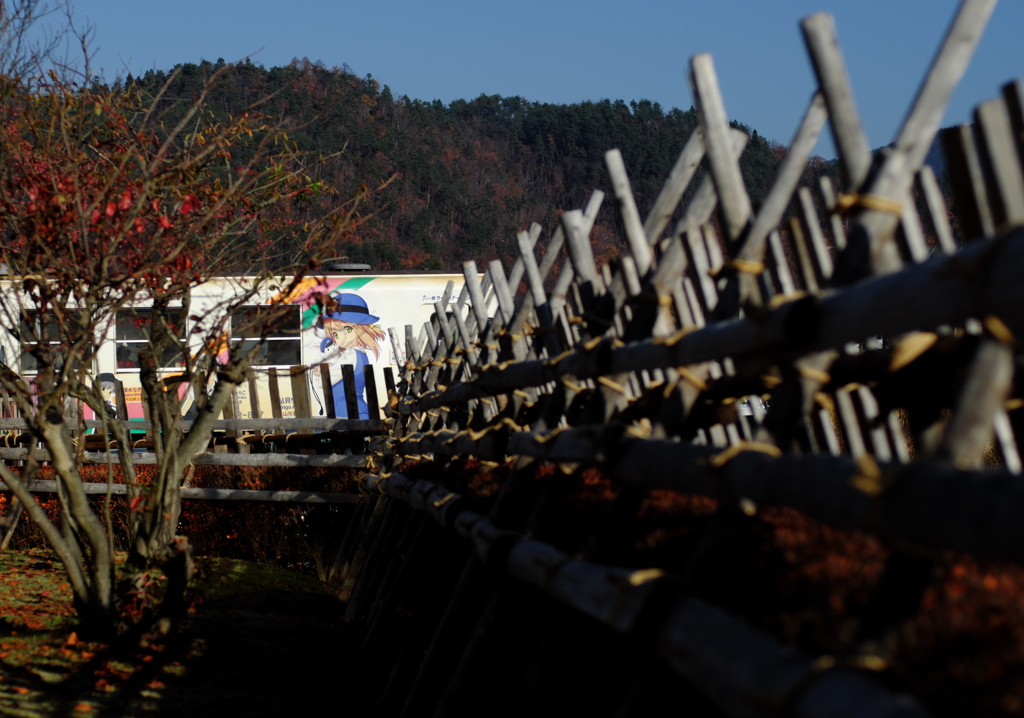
(779, 299)
(643, 575)
(650, 298)
(575, 388)
(373, 483)
(721, 459)
(825, 401)
(666, 391)
(505, 423)
(691, 378)
(867, 663)
(846, 203)
(613, 342)
(869, 478)
(822, 377)
(506, 332)
(624, 583)
(741, 266)
(673, 339)
(999, 330)
(640, 430)
(717, 461)
(553, 362)
(545, 438)
(910, 348)
(613, 385)
(444, 500)
(496, 366)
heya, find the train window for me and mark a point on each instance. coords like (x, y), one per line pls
(41, 329)
(132, 332)
(281, 345)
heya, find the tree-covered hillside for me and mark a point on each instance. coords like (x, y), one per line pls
(467, 176)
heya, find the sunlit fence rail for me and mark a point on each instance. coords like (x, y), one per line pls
(299, 441)
(261, 438)
(853, 361)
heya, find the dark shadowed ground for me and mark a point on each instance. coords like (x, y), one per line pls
(266, 641)
(260, 641)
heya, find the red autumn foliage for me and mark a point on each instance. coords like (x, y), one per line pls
(106, 208)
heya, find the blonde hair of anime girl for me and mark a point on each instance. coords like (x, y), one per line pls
(366, 336)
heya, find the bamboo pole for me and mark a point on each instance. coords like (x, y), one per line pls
(724, 165)
(851, 143)
(1001, 163)
(893, 180)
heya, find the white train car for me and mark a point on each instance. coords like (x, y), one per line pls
(350, 327)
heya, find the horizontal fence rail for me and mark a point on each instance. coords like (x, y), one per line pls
(210, 459)
(191, 492)
(296, 441)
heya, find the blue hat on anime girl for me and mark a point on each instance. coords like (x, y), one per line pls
(350, 308)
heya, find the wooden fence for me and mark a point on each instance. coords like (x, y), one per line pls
(855, 365)
(301, 440)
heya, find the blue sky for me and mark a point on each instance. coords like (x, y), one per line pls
(567, 51)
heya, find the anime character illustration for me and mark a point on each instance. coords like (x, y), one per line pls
(348, 334)
(108, 389)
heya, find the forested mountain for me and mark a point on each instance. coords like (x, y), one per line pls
(468, 175)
